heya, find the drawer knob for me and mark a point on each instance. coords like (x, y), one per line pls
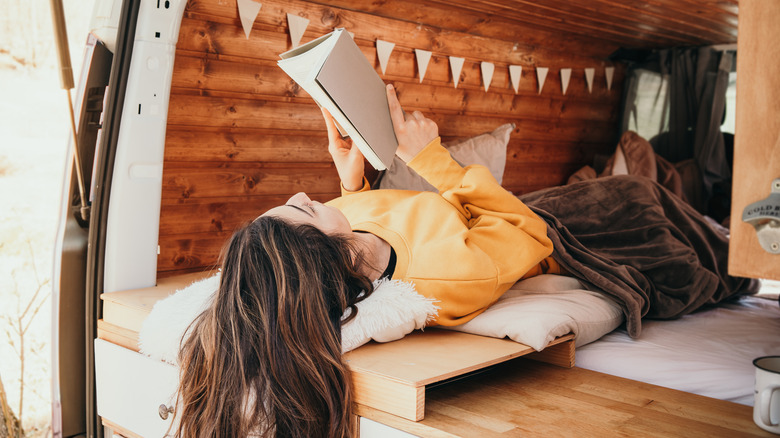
(164, 411)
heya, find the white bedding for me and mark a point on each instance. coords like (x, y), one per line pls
(709, 353)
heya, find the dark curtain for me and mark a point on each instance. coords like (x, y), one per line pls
(697, 81)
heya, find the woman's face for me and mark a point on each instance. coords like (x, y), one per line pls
(299, 209)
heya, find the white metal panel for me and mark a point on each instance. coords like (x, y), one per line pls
(134, 210)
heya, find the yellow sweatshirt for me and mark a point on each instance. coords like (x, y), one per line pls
(464, 246)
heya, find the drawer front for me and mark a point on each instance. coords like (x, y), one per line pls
(131, 387)
(372, 429)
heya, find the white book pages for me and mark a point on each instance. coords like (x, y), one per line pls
(337, 75)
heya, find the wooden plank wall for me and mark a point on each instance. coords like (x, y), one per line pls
(242, 137)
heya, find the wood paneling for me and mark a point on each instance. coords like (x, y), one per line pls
(242, 137)
(757, 143)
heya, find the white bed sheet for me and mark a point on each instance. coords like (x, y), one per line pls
(708, 353)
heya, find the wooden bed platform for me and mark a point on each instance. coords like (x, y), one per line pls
(390, 377)
(441, 383)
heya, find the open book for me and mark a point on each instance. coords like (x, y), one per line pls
(337, 75)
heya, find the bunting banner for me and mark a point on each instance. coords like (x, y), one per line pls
(515, 72)
(297, 27)
(609, 72)
(589, 72)
(565, 77)
(541, 75)
(423, 56)
(247, 11)
(383, 51)
(456, 66)
(487, 73)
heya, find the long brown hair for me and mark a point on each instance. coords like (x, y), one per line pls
(265, 357)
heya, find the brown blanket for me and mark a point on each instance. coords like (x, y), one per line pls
(632, 239)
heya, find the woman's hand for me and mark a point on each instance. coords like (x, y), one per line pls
(346, 156)
(412, 132)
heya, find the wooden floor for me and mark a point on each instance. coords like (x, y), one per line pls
(527, 398)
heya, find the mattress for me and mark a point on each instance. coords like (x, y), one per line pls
(709, 352)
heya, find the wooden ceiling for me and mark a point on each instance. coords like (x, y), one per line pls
(623, 23)
(592, 27)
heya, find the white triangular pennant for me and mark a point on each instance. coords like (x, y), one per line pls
(247, 11)
(487, 73)
(423, 56)
(609, 72)
(589, 72)
(351, 34)
(541, 75)
(297, 26)
(515, 73)
(565, 77)
(456, 66)
(383, 51)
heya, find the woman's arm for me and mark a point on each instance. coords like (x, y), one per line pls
(346, 156)
(473, 190)
(412, 132)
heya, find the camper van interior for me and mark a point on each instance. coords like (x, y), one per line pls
(188, 128)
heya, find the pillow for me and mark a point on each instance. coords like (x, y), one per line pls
(487, 149)
(533, 312)
(167, 323)
(394, 310)
(537, 310)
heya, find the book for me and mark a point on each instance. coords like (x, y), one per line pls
(337, 75)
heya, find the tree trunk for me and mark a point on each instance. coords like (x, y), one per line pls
(9, 424)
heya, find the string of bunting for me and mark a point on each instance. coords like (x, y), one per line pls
(248, 10)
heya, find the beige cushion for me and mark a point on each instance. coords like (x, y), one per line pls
(537, 310)
(487, 149)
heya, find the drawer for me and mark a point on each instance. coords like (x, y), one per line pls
(131, 387)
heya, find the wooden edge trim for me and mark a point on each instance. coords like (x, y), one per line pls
(560, 354)
(389, 395)
(118, 430)
(403, 424)
(118, 335)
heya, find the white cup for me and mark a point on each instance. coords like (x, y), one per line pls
(766, 409)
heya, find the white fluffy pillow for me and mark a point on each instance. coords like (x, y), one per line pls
(537, 310)
(487, 149)
(164, 328)
(390, 313)
(394, 310)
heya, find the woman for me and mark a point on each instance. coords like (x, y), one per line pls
(266, 356)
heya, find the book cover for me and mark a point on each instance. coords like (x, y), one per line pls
(337, 75)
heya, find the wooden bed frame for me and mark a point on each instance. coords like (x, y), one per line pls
(389, 377)
(440, 383)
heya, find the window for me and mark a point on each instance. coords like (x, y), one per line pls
(649, 115)
(731, 104)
